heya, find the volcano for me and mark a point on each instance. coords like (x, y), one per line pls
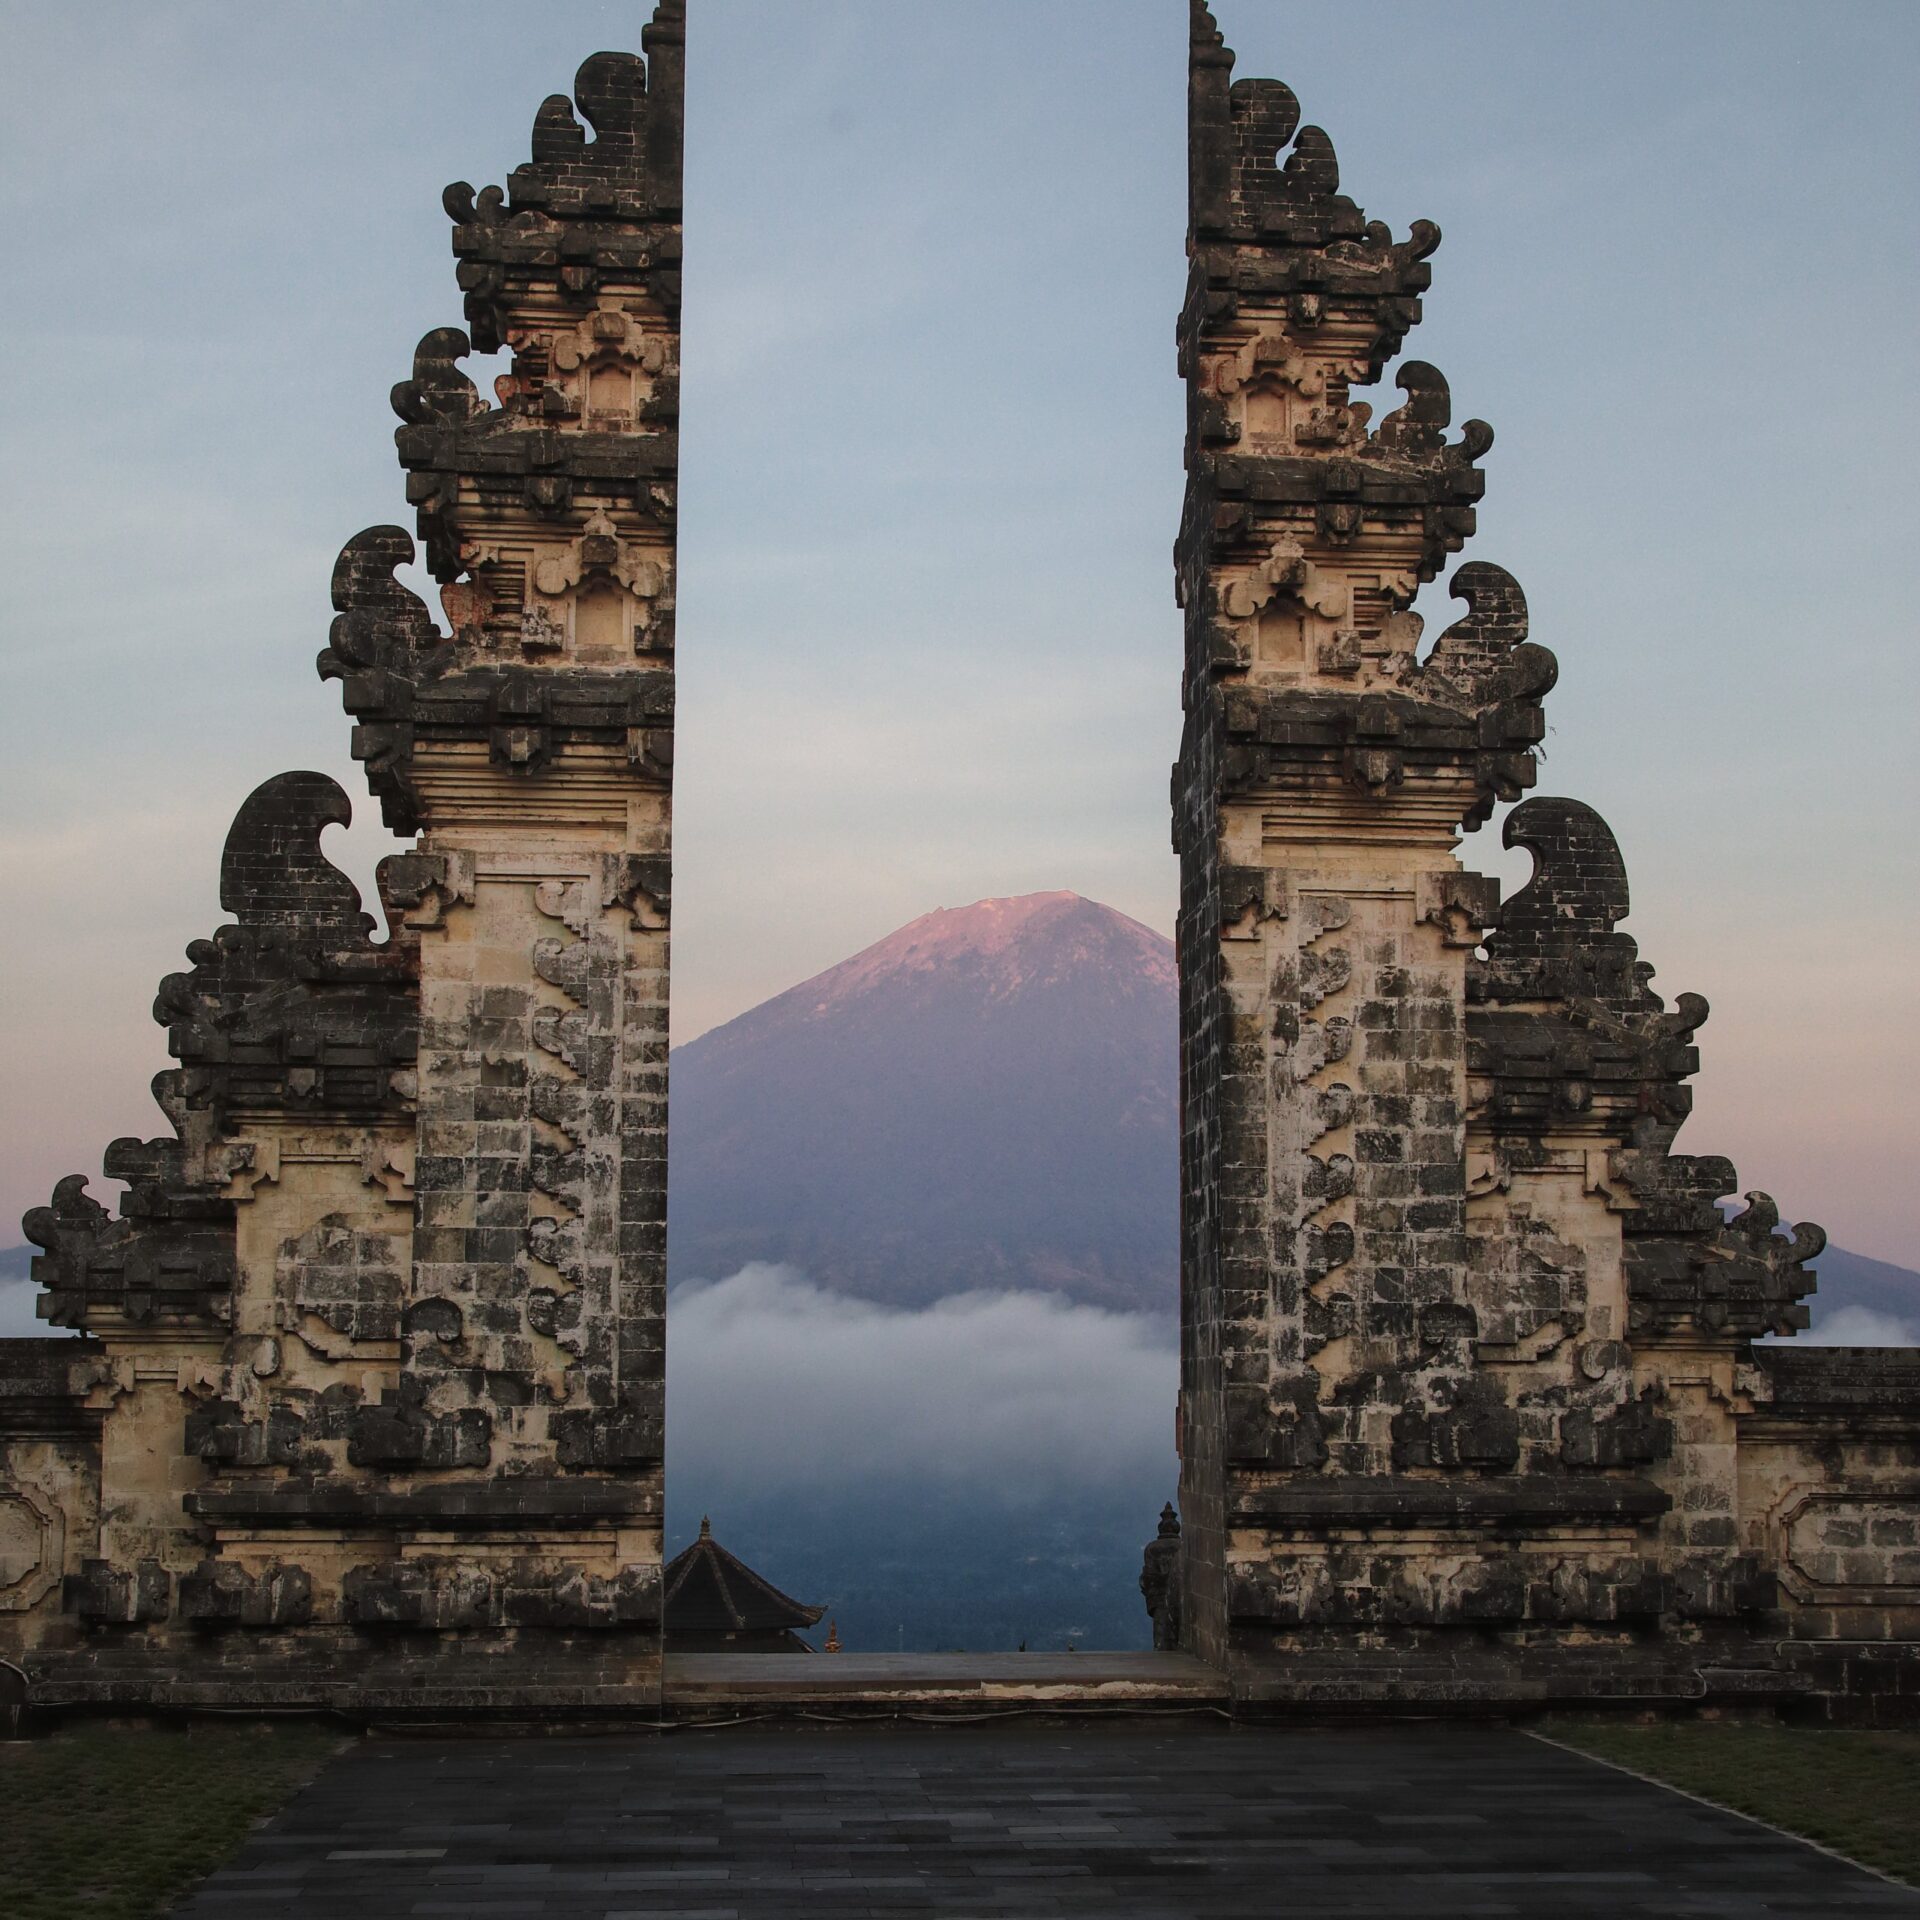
(985, 1099)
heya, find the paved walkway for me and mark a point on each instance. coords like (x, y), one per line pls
(1029, 1819)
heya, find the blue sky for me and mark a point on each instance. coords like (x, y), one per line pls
(932, 472)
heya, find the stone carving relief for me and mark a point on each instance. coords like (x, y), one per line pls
(32, 1546)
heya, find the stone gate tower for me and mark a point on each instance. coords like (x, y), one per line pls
(374, 1376)
(1470, 1408)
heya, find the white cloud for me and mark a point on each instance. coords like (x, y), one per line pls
(773, 1381)
(776, 1383)
(1862, 1327)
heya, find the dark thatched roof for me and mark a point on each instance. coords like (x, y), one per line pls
(709, 1591)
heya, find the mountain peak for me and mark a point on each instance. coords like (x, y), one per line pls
(983, 1098)
(1020, 940)
(994, 949)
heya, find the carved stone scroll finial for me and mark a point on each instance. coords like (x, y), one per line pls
(1578, 892)
(273, 873)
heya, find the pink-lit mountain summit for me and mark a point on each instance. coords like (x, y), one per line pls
(985, 1098)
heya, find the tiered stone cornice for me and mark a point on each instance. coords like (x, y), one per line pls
(549, 517)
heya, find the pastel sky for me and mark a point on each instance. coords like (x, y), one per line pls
(932, 472)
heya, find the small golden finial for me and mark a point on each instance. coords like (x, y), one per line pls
(833, 1636)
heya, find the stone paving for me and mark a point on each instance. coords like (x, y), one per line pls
(1023, 1819)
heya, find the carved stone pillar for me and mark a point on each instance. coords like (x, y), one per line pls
(532, 747)
(379, 1373)
(1424, 1132)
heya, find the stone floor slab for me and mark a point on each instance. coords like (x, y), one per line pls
(1161, 1821)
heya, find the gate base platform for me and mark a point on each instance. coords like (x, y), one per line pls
(947, 1685)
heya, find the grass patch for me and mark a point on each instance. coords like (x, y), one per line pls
(1857, 1792)
(113, 1822)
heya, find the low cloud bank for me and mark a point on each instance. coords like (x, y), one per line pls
(771, 1377)
(978, 1473)
(1861, 1327)
(774, 1382)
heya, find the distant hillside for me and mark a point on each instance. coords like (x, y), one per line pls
(1852, 1285)
(18, 1320)
(986, 1098)
(948, 1569)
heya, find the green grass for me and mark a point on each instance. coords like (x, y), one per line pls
(113, 1822)
(1858, 1793)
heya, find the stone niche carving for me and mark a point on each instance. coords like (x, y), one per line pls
(32, 1547)
(352, 1282)
(1854, 1545)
